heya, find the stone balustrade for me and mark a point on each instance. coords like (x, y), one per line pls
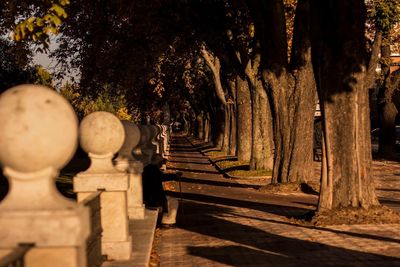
(166, 136)
(126, 162)
(144, 151)
(155, 140)
(160, 139)
(38, 136)
(102, 135)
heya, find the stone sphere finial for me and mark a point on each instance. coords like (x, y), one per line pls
(101, 133)
(38, 129)
(132, 138)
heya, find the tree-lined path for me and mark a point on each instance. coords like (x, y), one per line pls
(223, 222)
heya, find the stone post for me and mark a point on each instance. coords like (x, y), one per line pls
(154, 139)
(144, 151)
(101, 136)
(38, 136)
(166, 133)
(161, 139)
(126, 162)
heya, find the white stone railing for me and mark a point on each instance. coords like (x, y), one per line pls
(102, 135)
(166, 138)
(38, 136)
(126, 162)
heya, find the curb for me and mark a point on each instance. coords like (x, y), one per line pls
(227, 175)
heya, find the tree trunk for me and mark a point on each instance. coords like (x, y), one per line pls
(244, 127)
(387, 133)
(386, 108)
(227, 128)
(200, 127)
(339, 48)
(262, 152)
(294, 105)
(207, 129)
(232, 137)
(214, 65)
(219, 124)
(290, 87)
(346, 175)
(233, 117)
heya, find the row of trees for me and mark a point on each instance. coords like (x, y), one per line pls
(271, 82)
(247, 75)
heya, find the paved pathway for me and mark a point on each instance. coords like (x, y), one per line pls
(225, 223)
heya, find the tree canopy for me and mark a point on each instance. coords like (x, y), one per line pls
(248, 69)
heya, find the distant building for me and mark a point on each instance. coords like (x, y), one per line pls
(395, 64)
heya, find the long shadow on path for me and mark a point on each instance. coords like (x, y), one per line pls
(281, 210)
(244, 245)
(224, 226)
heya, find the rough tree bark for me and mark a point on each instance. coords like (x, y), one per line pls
(262, 151)
(244, 126)
(339, 48)
(227, 128)
(290, 87)
(232, 106)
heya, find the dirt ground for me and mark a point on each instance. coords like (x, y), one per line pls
(387, 183)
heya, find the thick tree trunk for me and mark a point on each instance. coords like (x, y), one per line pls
(346, 175)
(294, 105)
(339, 48)
(290, 87)
(262, 152)
(244, 127)
(386, 108)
